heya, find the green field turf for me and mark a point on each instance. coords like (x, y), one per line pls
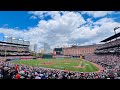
(62, 64)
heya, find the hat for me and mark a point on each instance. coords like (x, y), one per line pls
(36, 74)
(22, 77)
(5, 68)
(25, 71)
(22, 72)
(18, 76)
(29, 75)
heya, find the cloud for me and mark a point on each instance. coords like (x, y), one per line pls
(5, 25)
(97, 14)
(43, 14)
(102, 29)
(33, 17)
(63, 29)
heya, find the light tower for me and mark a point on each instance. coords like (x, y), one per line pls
(116, 29)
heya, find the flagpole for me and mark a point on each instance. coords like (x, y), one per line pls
(5, 54)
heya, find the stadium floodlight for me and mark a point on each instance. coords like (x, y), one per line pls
(28, 42)
(6, 36)
(20, 39)
(13, 38)
(10, 39)
(116, 29)
(77, 44)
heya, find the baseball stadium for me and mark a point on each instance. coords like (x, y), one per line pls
(84, 61)
(96, 61)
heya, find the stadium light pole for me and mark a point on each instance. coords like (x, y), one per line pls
(20, 39)
(116, 29)
(5, 49)
(17, 40)
(5, 37)
(19, 43)
(13, 39)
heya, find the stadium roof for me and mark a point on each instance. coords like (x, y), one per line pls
(13, 43)
(112, 37)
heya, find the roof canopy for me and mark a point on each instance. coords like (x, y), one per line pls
(110, 38)
(13, 43)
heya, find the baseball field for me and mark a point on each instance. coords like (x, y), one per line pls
(71, 64)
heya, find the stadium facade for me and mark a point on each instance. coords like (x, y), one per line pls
(14, 51)
(79, 50)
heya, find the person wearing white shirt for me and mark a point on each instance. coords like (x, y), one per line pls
(37, 77)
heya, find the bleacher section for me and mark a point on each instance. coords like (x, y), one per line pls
(111, 47)
(14, 51)
(108, 56)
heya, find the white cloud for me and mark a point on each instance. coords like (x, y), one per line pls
(42, 14)
(5, 25)
(65, 29)
(103, 21)
(54, 31)
(33, 17)
(97, 14)
(97, 33)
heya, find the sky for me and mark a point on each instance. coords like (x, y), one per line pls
(59, 28)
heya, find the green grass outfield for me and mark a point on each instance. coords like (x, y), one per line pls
(62, 64)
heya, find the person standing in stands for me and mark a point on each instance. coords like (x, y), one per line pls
(17, 68)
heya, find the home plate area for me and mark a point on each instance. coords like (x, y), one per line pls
(66, 63)
(46, 63)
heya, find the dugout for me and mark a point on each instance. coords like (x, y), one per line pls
(47, 56)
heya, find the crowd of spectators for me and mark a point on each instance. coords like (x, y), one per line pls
(2, 53)
(9, 70)
(110, 62)
(110, 44)
(115, 50)
(16, 57)
(14, 52)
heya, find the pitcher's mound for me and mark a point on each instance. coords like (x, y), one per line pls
(47, 63)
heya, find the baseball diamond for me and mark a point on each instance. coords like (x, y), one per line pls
(63, 64)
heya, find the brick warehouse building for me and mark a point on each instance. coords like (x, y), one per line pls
(79, 50)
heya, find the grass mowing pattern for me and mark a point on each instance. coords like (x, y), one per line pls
(62, 64)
